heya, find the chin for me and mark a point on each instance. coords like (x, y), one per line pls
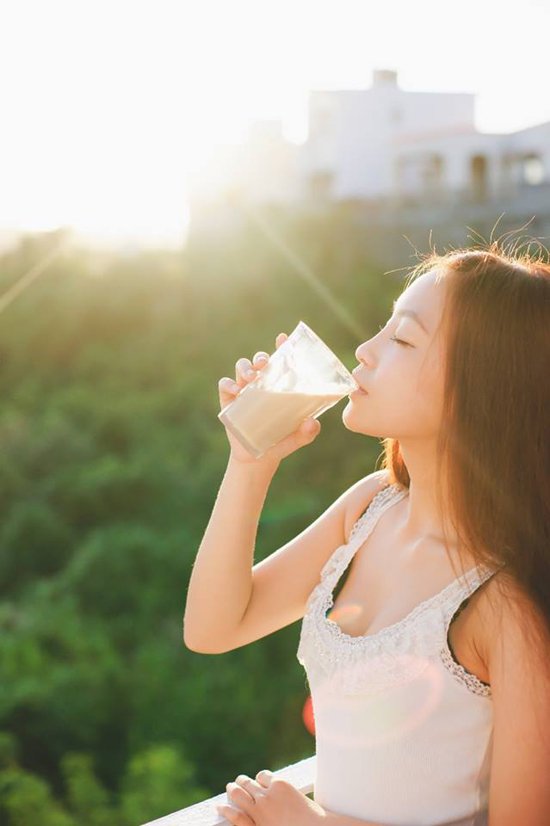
(353, 422)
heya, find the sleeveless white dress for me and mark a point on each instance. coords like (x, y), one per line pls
(403, 732)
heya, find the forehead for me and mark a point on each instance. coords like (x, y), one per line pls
(425, 296)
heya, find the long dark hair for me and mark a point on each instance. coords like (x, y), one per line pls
(494, 440)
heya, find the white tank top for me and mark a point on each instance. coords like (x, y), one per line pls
(402, 731)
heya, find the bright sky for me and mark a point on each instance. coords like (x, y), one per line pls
(108, 105)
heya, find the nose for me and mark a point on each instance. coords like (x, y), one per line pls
(362, 354)
(365, 353)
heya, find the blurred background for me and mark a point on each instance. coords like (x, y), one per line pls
(180, 182)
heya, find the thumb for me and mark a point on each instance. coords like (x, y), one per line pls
(303, 435)
(310, 427)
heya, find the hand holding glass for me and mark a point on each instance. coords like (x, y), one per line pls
(302, 378)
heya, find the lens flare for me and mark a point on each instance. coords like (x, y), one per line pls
(362, 720)
(308, 717)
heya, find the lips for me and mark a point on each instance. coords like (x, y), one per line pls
(358, 382)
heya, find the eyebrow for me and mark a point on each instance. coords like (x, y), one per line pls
(410, 314)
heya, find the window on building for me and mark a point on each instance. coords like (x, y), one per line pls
(434, 173)
(479, 177)
(533, 170)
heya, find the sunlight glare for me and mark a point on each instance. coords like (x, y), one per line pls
(112, 111)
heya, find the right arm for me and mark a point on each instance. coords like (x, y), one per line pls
(221, 581)
(230, 602)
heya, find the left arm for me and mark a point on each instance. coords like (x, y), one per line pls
(519, 789)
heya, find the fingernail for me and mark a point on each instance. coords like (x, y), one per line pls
(250, 373)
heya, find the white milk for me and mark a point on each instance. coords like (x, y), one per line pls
(261, 418)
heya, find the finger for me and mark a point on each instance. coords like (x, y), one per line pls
(280, 339)
(304, 435)
(234, 816)
(308, 431)
(264, 777)
(244, 371)
(260, 359)
(249, 785)
(309, 428)
(227, 387)
(237, 793)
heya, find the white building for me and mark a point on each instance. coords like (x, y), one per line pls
(387, 144)
(354, 136)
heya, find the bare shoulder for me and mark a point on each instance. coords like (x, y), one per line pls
(362, 495)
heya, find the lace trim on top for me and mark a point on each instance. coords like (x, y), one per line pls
(458, 671)
(395, 654)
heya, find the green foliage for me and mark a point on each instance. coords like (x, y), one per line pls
(158, 781)
(37, 541)
(25, 799)
(111, 455)
(87, 799)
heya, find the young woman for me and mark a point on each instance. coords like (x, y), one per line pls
(430, 671)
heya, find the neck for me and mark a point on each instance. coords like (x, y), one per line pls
(422, 519)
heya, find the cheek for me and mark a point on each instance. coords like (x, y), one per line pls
(413, 382)
(430, 383)
(404, 374)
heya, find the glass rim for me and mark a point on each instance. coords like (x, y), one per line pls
(339, 365)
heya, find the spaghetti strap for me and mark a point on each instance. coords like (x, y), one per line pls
(362, 528)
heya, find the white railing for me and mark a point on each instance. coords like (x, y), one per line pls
(300, 774)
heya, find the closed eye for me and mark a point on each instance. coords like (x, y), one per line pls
(400, 341)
